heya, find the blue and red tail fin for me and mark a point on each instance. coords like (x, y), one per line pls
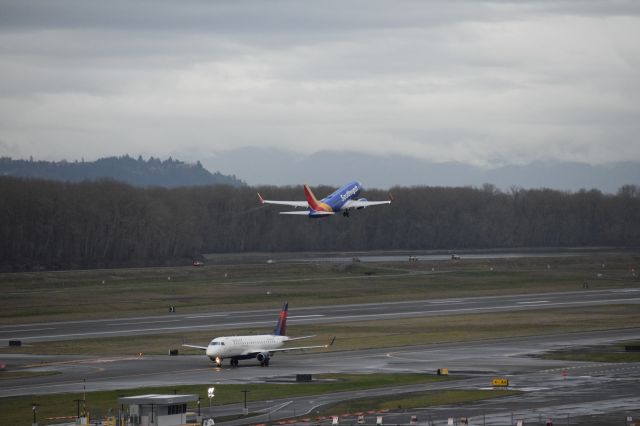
(281, 325)
(311, 199)
(314, 203)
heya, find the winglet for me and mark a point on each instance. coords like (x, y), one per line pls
(260, 197)
(390, 197)
(332, 340)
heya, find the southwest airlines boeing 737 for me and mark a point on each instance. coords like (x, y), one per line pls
(261, 347)
(342, 200)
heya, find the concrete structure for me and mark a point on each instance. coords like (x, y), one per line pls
(157, 410)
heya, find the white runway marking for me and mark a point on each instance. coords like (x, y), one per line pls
(141, 322)
(533, 302)
(26, 329)
(206, 316)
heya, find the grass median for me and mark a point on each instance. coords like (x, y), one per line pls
(17, 410)
(118, 293)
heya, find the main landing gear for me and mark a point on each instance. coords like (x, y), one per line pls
(264, 363)
(233, 362)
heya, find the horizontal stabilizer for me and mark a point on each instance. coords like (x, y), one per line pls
(308, 213)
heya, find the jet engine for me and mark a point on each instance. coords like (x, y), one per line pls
(361, 199)
(263, 358)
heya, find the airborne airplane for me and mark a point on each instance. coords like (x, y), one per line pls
(341, 200)
(261, 347)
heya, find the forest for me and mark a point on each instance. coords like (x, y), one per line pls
(139, 172)
(48, 224)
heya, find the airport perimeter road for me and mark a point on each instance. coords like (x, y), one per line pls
(265, 319)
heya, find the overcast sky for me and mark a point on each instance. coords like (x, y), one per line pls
(485, 83)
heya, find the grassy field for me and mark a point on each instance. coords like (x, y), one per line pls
(117, 293)
(16, 411)
(413, 400)
(604, 353)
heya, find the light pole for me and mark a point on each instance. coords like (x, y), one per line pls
(77, 401)
(245, 410)
(34, 408)
(211, 394)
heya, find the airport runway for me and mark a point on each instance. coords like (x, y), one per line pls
(551, 387)
(264, 320)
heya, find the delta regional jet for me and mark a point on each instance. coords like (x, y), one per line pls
(342, 200)
(262, 347)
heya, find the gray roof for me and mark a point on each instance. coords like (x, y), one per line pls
(157, 399)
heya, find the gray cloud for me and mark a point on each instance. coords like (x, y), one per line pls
(486, 83)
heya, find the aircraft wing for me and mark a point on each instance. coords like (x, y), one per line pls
(204, 348)
(355, 204)
(299, 348)
(284, 203)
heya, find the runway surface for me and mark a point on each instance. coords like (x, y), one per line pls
(265, 319)
(548, 386)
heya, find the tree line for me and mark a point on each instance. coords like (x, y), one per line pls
(152, 172)
(58, 225)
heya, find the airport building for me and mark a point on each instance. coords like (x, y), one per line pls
(157, 410)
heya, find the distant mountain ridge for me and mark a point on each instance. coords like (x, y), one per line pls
(169, 173)
(266, 166)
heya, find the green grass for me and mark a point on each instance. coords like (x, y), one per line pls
(413, 400)
(16, 411)
(602, 353)
(113, 293)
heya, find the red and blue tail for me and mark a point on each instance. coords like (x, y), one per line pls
(314, 204)
(281, 325)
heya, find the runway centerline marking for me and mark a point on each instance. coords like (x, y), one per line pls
(306, 316)
(206, 316)
(28, 329)
(143, 322)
